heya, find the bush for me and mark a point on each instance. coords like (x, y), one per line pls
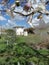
(10, 36)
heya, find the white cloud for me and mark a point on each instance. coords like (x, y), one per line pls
(35, 21)
(2, 18)
(18, 17)
(7, 24)
(46, 18)
(0, 7)
(4, 26)
(11, 23)
(19, 9)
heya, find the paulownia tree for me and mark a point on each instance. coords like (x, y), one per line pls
(28, 9)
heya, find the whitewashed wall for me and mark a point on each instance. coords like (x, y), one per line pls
(25, 33)
(19, 31)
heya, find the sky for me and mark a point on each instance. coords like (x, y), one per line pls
(7, 22)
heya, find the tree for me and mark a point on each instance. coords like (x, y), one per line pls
(30, 7)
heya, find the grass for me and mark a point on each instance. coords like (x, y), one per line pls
(29, 39)
(8, 52)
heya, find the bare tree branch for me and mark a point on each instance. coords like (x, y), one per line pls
(25, 14)
(28, 14)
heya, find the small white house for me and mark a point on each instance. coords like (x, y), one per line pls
(25, 33)
(19, 30)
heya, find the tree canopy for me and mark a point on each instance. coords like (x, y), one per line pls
(29, 8)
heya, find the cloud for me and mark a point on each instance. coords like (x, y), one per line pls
(1, 7)
(11, 22)
(2, 18)
(37, 23)
(18, 17)
(19, 9)
(6, 26)
(46, 18)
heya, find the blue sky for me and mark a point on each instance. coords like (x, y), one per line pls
(17, 21)
(5, 20)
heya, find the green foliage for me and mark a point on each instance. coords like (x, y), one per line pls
(10, 36)
(29, 39)
(21, 53)
(44, 51)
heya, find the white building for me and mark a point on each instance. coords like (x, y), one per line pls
(20, 30)
(25, 33)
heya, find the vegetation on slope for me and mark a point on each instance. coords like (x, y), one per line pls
(22, 51)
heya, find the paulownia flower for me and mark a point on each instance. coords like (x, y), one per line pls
(9, 12)
(27, 7)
